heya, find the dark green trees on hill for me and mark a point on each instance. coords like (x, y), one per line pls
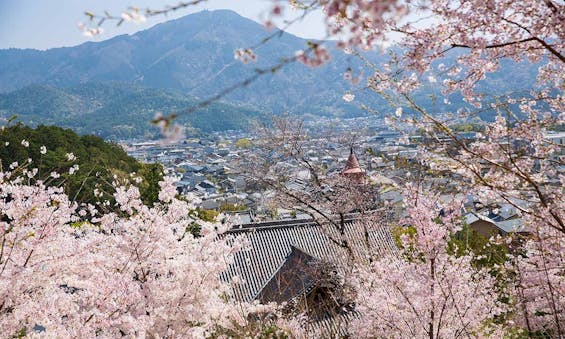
(99, 162)
(118, 111)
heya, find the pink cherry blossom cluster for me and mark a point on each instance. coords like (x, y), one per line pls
(514, 161)
(523, 170)
(539, 285)
(171, 132)
(353, 78)
(489, 31)
(69, 271)
(426, 292)
(276, 11)
(318, 55)
(362, 22)
(245, 55)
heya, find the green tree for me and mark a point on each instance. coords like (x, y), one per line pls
(243, 143)
(99, 162)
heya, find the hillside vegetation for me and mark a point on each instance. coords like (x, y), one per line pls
(99, 162)
(117, 111)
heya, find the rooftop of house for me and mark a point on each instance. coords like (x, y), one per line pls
(506, 226)
(285, 261)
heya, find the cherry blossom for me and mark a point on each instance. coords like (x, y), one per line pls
(171, 132)
(429, 292)
(90, 31)
(317, 56)
(134, 15)
(66, 276)
(348, 97)
(245, 55)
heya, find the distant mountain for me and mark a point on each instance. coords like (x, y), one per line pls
(174, 64)
(117, 111)
(193, 54)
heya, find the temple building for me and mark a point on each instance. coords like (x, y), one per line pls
(303, 263)
(299, 262)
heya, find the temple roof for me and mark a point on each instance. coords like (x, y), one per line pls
(272, 242)
(285, 258)
(296, 276)
(352, 165)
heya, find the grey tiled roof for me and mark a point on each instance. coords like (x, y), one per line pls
(297, 274)
(272, 242)
(506, 226)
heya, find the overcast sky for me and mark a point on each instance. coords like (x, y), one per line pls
(45, 24)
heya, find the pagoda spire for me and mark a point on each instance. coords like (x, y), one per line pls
(352, 167)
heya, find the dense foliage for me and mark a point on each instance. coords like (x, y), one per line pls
(117, 111)
(138, 273)
(432, 293)
(85, 165)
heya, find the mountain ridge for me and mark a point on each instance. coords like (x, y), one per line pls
(180, 54)
(192, 57)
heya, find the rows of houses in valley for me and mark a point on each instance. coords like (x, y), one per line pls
(295, 258)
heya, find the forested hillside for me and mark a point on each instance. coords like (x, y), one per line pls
(80, 164)
(118, 111)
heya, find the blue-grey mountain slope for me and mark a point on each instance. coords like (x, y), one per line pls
(190, 59)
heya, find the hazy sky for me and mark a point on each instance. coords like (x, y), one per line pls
(45, 24)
